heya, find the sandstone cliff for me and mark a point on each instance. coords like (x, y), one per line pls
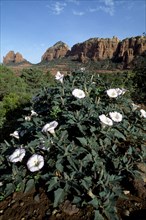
(11, 57)
(97, 49)
(94, 49)
(58, 50)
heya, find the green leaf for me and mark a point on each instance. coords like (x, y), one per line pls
(118, 134)
(76, 200)
(86, 160)
(29, 185)
(81, 128)
(52, 183)
(83, 141)
(94, 202)
(10, 188)
(59, 167)
(86, 182)
(98, 216)
(71, 161)
(59, 195)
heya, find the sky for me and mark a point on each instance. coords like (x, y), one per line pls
(32, 26)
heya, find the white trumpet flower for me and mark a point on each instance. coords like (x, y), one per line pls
(35, 162)
(15, 134)
(17, 155)
(112, 93)
(50, 127)
(105, 120)
(33, 113)
(143, 113)
(78, 93)
(116, 116)
(59, 77)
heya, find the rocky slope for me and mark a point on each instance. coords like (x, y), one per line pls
(13, 58)
(58, 50)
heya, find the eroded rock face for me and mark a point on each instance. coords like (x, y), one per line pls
(97, 49)
(130, 48)
(58, 50)
(11, 57)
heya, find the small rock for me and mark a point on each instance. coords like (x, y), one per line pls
(126, 213)
(37, 198)
(126, 192)
(142, 168)
(69, 209)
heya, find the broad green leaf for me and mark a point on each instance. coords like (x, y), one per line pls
(95, 203)
(10, 188)
(86, 182)
(98, 216)
(59, 196)
(118, 134)
(83, 141)
(76, 200)
(72, 162)
(30, 184)
(52, 183)
(59, 167)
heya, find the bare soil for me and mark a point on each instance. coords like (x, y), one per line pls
(36, 205)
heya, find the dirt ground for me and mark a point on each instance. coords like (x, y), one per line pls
(36, 205)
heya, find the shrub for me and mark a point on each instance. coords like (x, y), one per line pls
(36, 79)
(81, 139)
(139, 83)
(10, 83)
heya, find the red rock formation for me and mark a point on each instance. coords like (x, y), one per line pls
(58, 50)
(129, 48)
(97, 49)
(11, 57)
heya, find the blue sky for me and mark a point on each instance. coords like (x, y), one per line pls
(32, 26)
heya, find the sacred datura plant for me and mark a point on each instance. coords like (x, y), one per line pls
(83, 139)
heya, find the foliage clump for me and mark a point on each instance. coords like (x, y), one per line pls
(16, 91)
(80, 139)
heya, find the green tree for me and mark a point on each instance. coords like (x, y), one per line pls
(10, 83)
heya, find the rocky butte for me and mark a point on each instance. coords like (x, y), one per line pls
(58, 50)
(97, 49)
(11, 57)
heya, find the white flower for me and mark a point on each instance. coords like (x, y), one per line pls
(33, 113)
(116, 116)
(15, 134)
(49, 127)
(105, 120)
(112, 93)
(82, 69)
(78, 93)
(1, 183)
(143, 113)
(27, 118)
(17, 155)
(59, 77)
(121, 91)
(134, 106)
(35, 162)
